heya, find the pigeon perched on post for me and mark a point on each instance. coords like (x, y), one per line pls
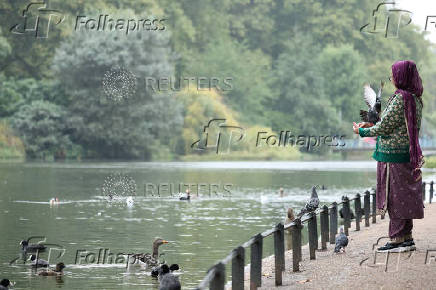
(373, 101)
(311, 205)
(341, 241)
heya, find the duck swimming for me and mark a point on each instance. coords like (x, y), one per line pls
(57, 272)
(187, 197)
(4, 284)
(159, 270)
(31, 248)
(38, 262)
(168, 281)
(151, 260)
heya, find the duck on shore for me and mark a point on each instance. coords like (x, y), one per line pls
(56, 272)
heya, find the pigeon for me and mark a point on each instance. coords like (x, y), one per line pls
(168, 281)
(311, 205)
(373, 101)
(341, 241)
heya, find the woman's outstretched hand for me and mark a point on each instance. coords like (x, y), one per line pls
(365, 125)
(355, 128)
(361, 125)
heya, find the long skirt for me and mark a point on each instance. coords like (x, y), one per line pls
(400, 195)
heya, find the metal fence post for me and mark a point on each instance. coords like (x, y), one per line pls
(324, 217)
(238, 264)
(366, 207)
(256, 262)
(346, 213)
(423, 191)
(357, 209)
(296, 245)
(431, 191)
(313, 235)
(279, 253)
(374, 208)
(333, 222)
(219, 279)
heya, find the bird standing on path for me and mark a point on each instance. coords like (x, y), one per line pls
(341, 241)
(311, 205)
(373, 101)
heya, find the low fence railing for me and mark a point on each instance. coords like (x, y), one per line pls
(215, 278)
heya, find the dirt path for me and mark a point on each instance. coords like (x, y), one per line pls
(356, 268)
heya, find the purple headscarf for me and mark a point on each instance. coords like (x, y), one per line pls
(408, 82)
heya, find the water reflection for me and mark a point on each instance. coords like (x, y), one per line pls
(199, 232)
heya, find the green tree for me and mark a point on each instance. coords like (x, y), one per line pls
(42, 127)
(299, 102)
(247, 70)
(135, 127)
(344, 74)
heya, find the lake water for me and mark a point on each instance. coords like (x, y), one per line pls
(199, 232)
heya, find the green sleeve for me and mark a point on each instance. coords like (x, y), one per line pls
(363, 132)
(390, 119)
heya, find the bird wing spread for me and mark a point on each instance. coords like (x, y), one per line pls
(369, 96)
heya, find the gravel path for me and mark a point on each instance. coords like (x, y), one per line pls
(356, 269)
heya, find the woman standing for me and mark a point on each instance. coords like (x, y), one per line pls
(399, 156)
